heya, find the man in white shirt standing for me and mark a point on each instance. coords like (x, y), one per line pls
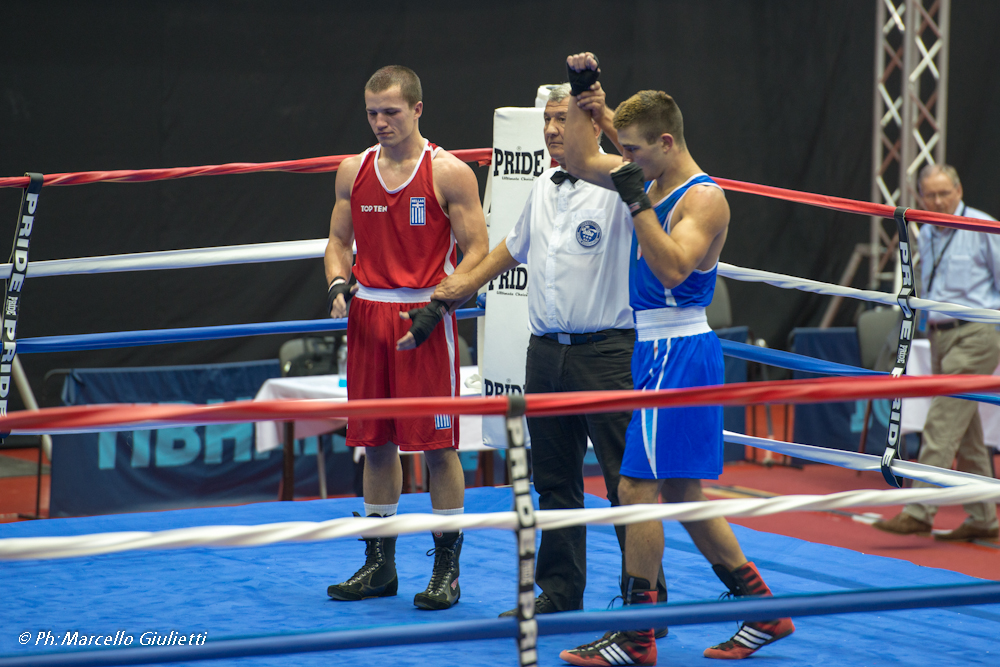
(960, 267)
(575, 238)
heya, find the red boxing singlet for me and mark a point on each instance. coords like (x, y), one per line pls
(404, 237)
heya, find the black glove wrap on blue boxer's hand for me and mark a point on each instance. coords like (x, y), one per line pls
(631, 186)
(425, 319)
(582, 80)
(335, 289)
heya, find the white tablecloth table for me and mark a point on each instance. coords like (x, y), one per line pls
(270, 434)
(334, 387)
(915, 409)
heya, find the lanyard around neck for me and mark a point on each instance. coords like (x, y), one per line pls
(944, 250)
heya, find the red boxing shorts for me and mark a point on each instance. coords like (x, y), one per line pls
(375, 369)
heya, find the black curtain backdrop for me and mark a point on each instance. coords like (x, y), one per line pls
(778, 93)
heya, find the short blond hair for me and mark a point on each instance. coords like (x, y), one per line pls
(397, 75)
(655, 113)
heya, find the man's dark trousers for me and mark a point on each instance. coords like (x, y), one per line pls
(559, 444)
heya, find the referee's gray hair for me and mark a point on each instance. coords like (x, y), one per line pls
(940, 168)
(558, 93)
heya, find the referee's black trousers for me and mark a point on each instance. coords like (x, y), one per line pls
(559, 444)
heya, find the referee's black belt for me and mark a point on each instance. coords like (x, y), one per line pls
(581, 338)
(945, 326)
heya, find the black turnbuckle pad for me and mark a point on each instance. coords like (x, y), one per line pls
(516, 405)
(894, 436)
(15, 284)
(517, 466)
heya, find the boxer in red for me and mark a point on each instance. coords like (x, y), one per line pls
(410, 206)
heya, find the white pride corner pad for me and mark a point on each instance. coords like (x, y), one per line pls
(519, 156)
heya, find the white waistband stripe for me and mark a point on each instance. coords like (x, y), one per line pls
(398, 295)
(663, 323)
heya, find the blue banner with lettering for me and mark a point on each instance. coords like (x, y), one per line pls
(187, 466)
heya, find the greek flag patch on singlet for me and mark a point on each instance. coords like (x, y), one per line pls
(442, 422)
(418, 209)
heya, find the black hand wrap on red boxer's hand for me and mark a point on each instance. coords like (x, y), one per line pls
(339, 286)
(631, 186)
(582, 80)
(425, 319)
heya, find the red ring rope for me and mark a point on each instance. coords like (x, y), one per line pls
(483, 156)
(314, 165)
(864, 208)
(788, 391)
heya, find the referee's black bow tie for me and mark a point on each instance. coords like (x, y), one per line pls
(559, 176)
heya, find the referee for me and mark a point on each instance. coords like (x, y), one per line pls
(575, 239)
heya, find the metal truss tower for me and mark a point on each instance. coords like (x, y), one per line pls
(909, 121)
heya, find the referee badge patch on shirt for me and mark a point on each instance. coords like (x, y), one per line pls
(588, 233)
(418, 210)
(442, 422)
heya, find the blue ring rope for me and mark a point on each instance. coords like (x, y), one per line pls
(100, 341)
(797, 362)
(569, 622)
(789, 360)
(108, 340)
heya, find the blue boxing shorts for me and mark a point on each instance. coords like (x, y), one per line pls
(666, 443)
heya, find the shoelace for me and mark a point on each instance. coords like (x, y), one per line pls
(606, 639)
(610, 635)
(726, 596)
(437, 576)
(371, 562)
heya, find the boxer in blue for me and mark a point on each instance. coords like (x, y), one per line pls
(675, 254)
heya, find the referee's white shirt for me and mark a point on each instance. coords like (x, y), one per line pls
(576, 283)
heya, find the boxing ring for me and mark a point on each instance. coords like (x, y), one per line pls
(246, 583)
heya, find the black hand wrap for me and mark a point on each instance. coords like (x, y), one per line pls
(582, 80)
(631, 186)
(336, 288)
(425, 319)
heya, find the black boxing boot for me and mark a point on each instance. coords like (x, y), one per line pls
(443, 590)
(376, 578)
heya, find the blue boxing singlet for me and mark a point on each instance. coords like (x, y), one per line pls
(646, 292)
(675, 348)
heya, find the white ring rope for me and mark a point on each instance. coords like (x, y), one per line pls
(816, 287)
(836, 457)
(864, 462)
(309, 531)
(253, 253)
(281, 251)
(963, 486)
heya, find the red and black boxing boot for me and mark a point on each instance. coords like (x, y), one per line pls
(746, 580)
(620, 647)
